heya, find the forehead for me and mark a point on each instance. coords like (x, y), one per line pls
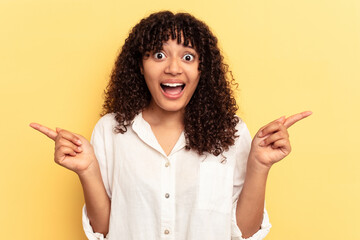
(156, 38)
(173, 42)
(175, 45)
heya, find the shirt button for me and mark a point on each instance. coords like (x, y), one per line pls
(166, 231)
(167, 195)
(167, 164)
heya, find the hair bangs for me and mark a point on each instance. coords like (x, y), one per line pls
(174, 27)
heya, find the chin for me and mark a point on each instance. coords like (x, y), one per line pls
(173, 107)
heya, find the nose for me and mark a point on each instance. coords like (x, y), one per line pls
(173, 67)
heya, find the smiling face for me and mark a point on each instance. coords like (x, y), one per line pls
(171, 76)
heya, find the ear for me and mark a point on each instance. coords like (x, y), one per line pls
(141, 68)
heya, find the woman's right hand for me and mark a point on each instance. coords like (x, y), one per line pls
(72, 151)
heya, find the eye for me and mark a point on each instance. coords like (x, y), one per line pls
(159, 55)
(188, 57)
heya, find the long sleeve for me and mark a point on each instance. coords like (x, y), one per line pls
(242, 152)
(261, 234)
(89, 232)
(98, 143)
(137, 176)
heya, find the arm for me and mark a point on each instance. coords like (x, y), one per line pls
(270, 145)
(250, 205)
(75, 153)
(96, 199)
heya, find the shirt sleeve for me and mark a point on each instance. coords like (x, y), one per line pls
(260, 234)
(243, 146)
(98, 143)
(89, 232)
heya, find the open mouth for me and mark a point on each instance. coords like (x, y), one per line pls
(172, 88)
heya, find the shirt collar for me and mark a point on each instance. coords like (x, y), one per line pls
(143, 129)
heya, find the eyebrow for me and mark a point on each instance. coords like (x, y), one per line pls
(188, 46)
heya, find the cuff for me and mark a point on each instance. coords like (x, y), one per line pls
(89, 232)
(259, 235)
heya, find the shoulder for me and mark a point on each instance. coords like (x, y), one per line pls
(241, 126)
(242, 145)
(243, 141)
(105, 123)
(107, 119)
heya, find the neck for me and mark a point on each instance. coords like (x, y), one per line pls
(156, 116)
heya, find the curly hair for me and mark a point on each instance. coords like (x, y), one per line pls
(209, 119)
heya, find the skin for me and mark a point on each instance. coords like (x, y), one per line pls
(173, 63)
(270, 144)
(165, 116)
(75, 153)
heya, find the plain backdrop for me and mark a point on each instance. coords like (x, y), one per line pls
(287, 56)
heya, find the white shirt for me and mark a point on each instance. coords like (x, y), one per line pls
(182, 196)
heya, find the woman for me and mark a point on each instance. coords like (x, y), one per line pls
(169, 159)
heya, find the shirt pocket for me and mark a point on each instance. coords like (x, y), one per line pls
(215, 187)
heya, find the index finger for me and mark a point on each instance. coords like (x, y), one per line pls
(47, 131)
(295, 118)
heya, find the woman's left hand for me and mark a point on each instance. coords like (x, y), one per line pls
(271, 143)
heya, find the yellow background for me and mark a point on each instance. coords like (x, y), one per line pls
(288, 56)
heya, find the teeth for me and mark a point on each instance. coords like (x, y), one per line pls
(172, 84)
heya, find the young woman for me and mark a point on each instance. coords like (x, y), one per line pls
(169, 159)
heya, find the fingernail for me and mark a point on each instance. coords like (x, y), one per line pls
(260, 133)
(262, 143)
(79, 142)
(79, 148)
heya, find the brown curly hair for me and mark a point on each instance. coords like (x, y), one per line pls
(209, 120)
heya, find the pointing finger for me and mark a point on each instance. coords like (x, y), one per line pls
(295, 118)
(47, 131)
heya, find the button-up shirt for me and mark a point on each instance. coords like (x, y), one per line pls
(180, 196)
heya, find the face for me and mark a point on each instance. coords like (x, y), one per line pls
(171, 75)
